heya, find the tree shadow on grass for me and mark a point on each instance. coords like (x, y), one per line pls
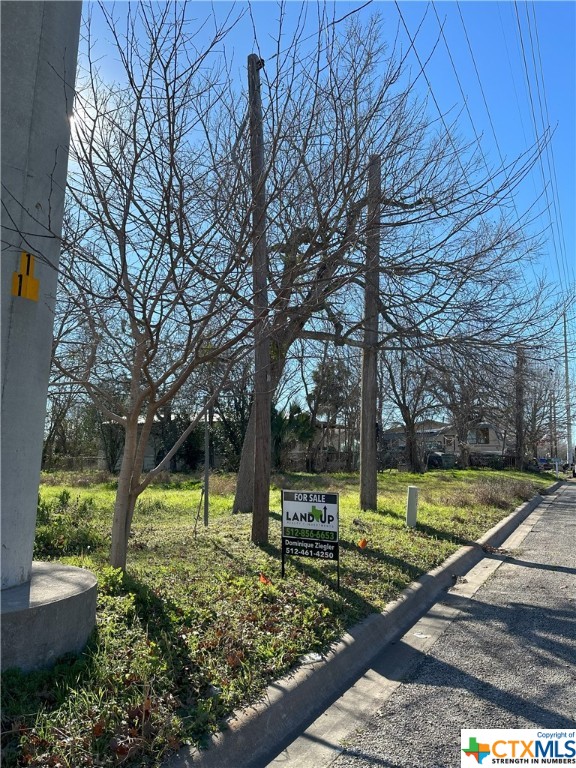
(442, 535)
(326, 575)
(25, 696)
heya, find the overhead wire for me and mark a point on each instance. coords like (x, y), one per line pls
(332, 23)
(430, 89)
(556, 226)
(464, 97)
(551, 157)
(485, 101)
(566, 279)
(479, 79)
(556, 231)
(489, 116)
(550, 185)
(545, 184)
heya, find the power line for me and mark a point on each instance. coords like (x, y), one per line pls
(423, 71)
(489, 115)
(539, 89)
(464, 97)
(535, 125)
(551, 158)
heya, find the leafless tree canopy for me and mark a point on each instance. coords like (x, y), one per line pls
(156, 284)
(151, 293)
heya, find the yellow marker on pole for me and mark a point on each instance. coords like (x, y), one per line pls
(23, 282)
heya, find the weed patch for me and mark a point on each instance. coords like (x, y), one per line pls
(66, 527)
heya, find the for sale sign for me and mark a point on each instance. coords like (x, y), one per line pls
(309, 525)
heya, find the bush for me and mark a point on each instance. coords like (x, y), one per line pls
(500, 492)
(65, 527)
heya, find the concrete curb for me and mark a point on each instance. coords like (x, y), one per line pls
(293, 702)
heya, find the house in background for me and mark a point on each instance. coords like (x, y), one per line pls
(392, 442)
(334, 448)
(486, 443)
(165, 431)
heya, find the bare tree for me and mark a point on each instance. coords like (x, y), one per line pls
(450, 250)
(407, 380)
(156, 283)
(538, 397)
(71, 429)
(151, 292)
(315, 184)
(326, 404)
(543, 400)
(466, 385)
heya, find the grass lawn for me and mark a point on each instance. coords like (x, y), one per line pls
(202, 621)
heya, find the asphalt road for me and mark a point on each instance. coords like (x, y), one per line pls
(498, 651)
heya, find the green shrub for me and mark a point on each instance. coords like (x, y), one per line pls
(110, 580)
(66, 527)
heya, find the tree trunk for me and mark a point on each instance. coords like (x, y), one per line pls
(245, 479)
(125, 500)
(413, 450)
(244, 497)
(311, 452)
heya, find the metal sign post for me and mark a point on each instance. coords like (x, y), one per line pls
(310, 526)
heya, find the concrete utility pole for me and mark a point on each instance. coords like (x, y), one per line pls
(368, 417)
(261, 404)
(47, 609)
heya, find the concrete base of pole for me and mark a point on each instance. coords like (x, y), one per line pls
(52, 614)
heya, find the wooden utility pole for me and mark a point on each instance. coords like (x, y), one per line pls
(261, 404)
(570, 458)
(551, 411)
(368, 417)
(520, 447)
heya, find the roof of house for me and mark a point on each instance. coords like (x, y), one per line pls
(428, 425)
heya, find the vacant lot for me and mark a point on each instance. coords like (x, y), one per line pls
(202, 620)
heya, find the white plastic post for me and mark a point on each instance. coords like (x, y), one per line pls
(412, 506)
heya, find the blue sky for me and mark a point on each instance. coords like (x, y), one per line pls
(513, 64)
